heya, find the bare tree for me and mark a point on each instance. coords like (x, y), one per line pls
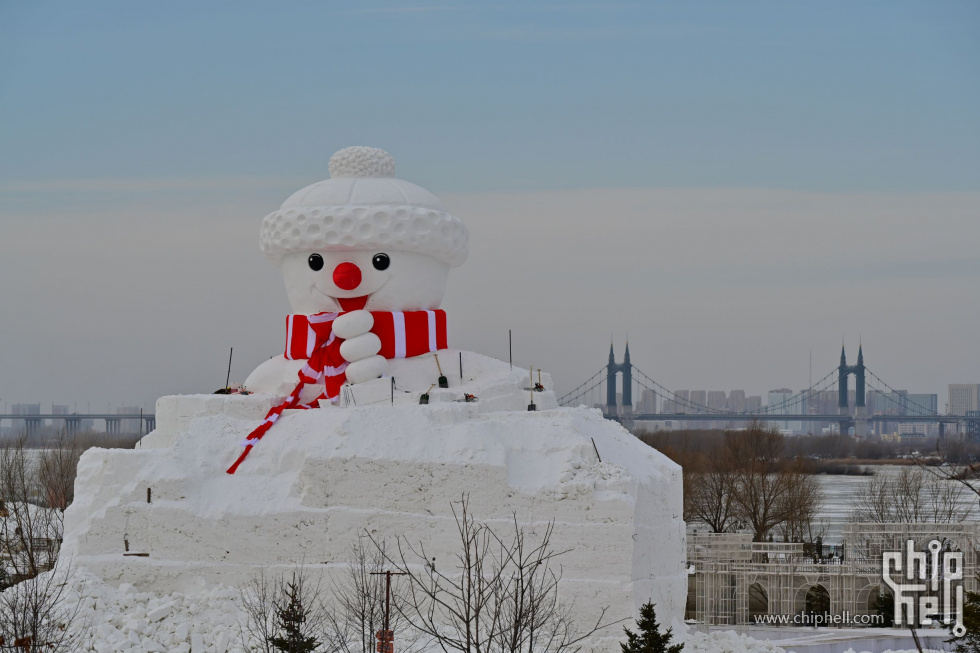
(57, 468)
(802, 501)
(911, 496)
(258, 624)
(770, 489)
(501, 595)
(533, 617)
(30, 533)
(357, 610)
(37, 613)
(709, 492)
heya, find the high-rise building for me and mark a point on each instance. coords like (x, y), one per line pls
(129, 425)
(648, 402)
(922, 404)
(25, 409)
(963, 397)
(717, 400)
(699, 398)
(736, 401)
(753, 404)
(785, 402)
(682, 401)
(58, 409)
(887, 403)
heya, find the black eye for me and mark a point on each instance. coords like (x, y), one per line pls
(316, 262)
(381, 261)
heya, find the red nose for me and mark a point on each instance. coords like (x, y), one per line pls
(347, 276)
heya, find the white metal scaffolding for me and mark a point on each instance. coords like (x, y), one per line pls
(736, 579)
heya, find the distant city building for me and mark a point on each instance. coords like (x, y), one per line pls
(736, 401)
(753, 404)
(785, 402)
(887, 403)
(821, 403)
(963, 397)
(717, 400)
(682, 401)
(648, 402)
(19, 426)
(699, 398)
(922, 404)
(63, 409)
(913, 430)
(129, 425)
(58, 409)
(25, 409)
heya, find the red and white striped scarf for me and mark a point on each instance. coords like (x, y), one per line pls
(403, 334)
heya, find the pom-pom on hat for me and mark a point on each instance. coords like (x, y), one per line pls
(363, 206)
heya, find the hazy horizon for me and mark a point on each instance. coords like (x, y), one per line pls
(734, 186)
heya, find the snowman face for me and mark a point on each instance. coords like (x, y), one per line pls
(375, 280)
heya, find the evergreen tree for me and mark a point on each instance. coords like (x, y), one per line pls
(649, 639)
(970, 642)
(291, 618)
(884, 607)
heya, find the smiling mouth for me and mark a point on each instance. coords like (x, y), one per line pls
(352, 303)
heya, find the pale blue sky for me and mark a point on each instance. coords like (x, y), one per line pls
(836, 96)
(734, 183)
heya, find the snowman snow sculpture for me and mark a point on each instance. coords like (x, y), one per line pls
(365, 258)
(359, 242)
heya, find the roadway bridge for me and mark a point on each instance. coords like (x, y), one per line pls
(898, 409)
(73, 422)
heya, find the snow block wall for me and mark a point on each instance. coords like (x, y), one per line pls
(320, 478)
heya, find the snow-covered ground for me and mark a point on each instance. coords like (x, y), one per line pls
(207, 621)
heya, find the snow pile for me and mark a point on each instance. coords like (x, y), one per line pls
(166, 519)
(125, 619)
(888, 650)
(727, 641)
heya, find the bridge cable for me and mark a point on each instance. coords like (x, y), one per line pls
(601, 370)
(566, 401)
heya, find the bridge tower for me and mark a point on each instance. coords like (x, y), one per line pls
(612, 369)
(860, 411)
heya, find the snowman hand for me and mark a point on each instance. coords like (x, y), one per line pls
(367, 369)
(364, 362)
(353, 324)
(360, 347)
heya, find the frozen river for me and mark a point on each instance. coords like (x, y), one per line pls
(839, 493)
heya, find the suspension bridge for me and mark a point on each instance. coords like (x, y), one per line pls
(807, 406)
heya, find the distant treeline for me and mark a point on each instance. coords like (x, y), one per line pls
(826, 454)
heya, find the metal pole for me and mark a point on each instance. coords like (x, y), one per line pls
(387, 598)
(228, 377)
(383, 640)
(510, 347)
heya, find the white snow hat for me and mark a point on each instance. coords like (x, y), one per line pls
(363, 206)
